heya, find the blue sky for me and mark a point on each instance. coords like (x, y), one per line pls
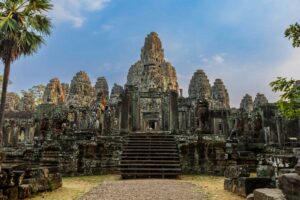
(240, 41)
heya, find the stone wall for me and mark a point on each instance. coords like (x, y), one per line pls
(202, 154)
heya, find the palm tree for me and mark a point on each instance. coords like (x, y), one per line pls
(23, 26)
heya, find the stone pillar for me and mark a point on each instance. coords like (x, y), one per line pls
(135, 111)
(125, 112)
(173, 111)
(2, 156)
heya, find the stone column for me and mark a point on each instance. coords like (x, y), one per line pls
(2, 156)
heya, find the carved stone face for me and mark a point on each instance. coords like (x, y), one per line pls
(23, 123)
(30, 122)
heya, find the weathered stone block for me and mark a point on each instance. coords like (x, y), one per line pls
(246, 185)
(286, 171)
(265, 171)
(297, 168)
(24, 191)
(237, 171)
(42, 185)
(54, 181)
(18, 177)
(3, 178)
(11, 193)
(2, 156)
(268, 194)
(250, 196)
(290, 186)
(228, 184)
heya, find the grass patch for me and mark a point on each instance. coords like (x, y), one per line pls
(212, 186)
(74, 187)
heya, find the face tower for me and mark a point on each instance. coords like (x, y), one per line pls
(152, 90)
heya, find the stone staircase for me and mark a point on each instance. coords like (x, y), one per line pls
(150, 155)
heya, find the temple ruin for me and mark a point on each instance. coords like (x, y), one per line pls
(147, 128)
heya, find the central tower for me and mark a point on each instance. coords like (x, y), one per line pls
(151, 90)
(152, 72)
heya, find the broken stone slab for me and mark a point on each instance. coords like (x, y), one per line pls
(297, 168)
(268, 194)
(236, 171)
(286, 171)
(228, 184)
(2, 157)
(18, 177)
(3, 179)
(24, 191)
(54, 181)
(11, 193)
(246, 185)
(250, 196)
(290, 185)
(266, 171)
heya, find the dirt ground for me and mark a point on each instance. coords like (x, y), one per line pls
(75, 187)
(146, 189)
(212, 186)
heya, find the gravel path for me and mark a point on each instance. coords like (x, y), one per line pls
(145, 189)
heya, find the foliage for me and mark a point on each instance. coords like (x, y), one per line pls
(37, 92)
(289, 103)
(293, 33)
(22, 27)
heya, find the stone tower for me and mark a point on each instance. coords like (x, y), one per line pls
(152, 72)
(152, 52)
(66, 89)
(54, 92)
(12, 101)
(247, 103)
(260, 100)
(81, 91)
(200, 87)
(220, 95)
(116, 94)
(101, 88)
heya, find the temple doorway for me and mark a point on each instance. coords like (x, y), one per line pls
(152, 125)
(150, 122)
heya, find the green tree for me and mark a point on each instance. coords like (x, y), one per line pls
(37, 92)
(293, 33)
(23, 26)
(289, 103)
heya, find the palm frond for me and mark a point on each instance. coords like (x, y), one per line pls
(23, 24)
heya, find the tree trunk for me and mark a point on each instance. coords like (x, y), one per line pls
(3, 98)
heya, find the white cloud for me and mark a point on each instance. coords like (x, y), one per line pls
(107, 27)
(73, 11)
(213, 61)
(218, 59)
(290, 67)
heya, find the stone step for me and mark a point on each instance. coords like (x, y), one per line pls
(150, 165)
(149, 147)
(150, 156)
(150, 161)
(144, 142)
(150, 150)
(129, 175)
(150, 137)
(154, 158)
(151, 169)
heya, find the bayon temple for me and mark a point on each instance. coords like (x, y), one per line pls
(147, 128)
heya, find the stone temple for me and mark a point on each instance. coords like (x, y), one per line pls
(146, 128)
